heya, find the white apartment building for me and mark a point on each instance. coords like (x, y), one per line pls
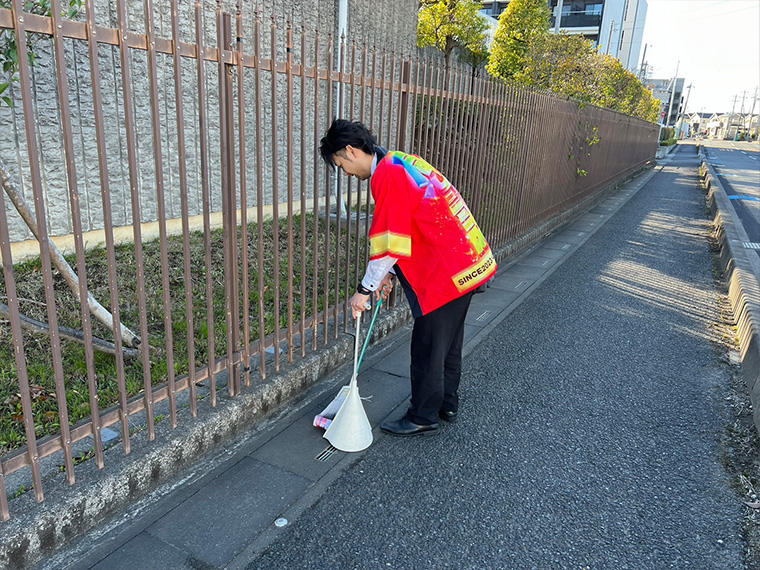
(615, 26)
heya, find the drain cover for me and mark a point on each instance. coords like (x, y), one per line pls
(326, 454)
(751, 245)
(484, 316)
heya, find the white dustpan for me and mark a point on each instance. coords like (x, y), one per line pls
(350, 429)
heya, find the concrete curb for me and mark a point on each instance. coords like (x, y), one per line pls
(741, 272)
(36, 531)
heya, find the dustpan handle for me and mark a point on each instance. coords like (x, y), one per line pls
(356, 349)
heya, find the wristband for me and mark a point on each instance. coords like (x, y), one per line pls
(362, 289)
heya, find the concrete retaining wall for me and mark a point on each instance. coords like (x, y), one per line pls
(741, 268)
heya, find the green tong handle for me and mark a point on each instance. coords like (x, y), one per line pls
(369, 333)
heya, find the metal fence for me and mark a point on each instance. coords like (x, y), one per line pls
(218, 309)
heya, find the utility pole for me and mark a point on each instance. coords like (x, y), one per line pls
(751, 114)
(731, 116)
(642, 69)
(682, 114)
(559, 16)
(609, 39)
(672, 94)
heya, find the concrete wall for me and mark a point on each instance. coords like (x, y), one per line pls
(391, 25)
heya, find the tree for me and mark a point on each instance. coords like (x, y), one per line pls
(571, 66)
(522, 24)
(564, 64)
(619, 89)
(447, 24)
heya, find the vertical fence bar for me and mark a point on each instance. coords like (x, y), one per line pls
(359, 202)
(455, 157)
(448, 137)
(405, 87)
(260, 194)
(134, 186)
(452, 117)
(550, 151)
(349, 204)
(42, 234)
(522, 180)
(456, 152)
(468, 143)
(487, 142)
(315, 192)
(472, 126)
(302, 181)
(517, 133)
(161, 203)
(388, 136)
(275, 199)
(289, 77)
(442, 118)
(18, 350)
(535, 146)
(245, 273)
(518, 129)
(76, 219)
(382, 98)
(436, 116)
(373, 82)
(182, 155)
(415, 96)
(474, 154)
(107, 221)
(538, 150)
(339, 197)
(486, 186)
(498, 205)
(329, 94)
(206, 193)
(232, 201)
(229, 200)
(222, 40)
(427, 111)
(507, 171)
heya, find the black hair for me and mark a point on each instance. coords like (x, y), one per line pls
(344, 133)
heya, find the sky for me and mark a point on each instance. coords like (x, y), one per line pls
(718, 45)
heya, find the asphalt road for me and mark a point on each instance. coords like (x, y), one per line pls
(738, 166)
(589, 425)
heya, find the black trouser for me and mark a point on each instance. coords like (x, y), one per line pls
(437, 360)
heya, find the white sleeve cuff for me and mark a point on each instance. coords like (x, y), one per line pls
(376, 271)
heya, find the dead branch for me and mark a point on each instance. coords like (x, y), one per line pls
(98, 311)
(67, 333)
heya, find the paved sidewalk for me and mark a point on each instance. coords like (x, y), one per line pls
(590, 412)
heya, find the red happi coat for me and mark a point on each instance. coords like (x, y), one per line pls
(422, 220)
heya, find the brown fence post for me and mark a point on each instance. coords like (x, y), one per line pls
(403, 107)
(229, 201)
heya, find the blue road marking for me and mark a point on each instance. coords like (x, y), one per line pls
(744, 198)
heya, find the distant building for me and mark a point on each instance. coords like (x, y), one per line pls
(734, 126)
(662, 89)
(614, 26)
(698, 123)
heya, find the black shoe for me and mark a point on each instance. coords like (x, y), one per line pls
(448, 416)
(404, 427)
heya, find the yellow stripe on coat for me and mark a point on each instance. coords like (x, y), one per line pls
(389, 243)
